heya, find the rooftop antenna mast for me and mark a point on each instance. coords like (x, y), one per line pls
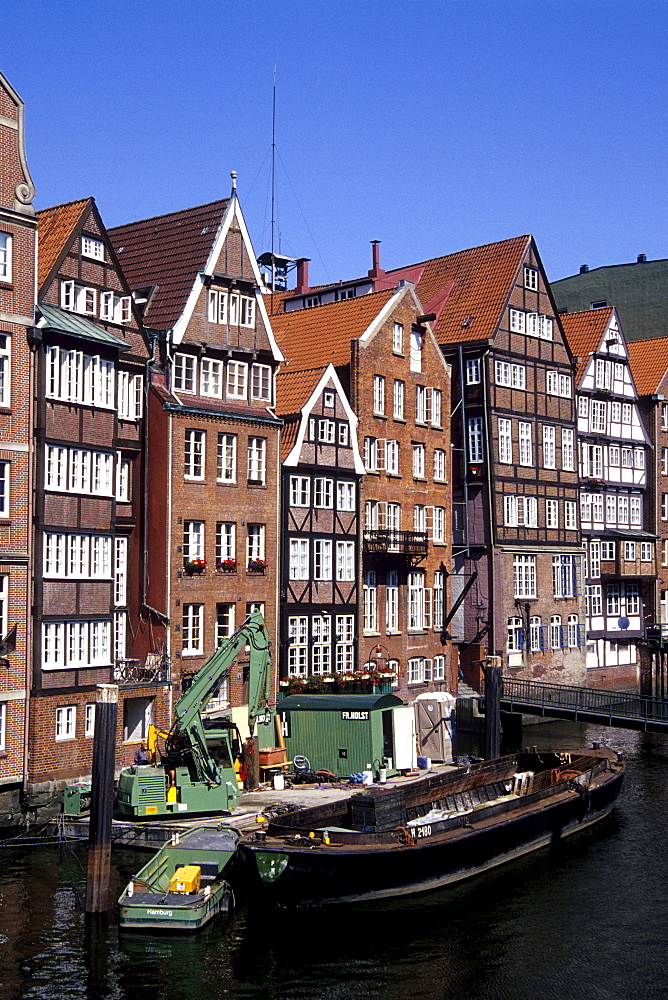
(273, 185)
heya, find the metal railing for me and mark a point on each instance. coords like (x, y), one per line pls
(621, 709)
(407, 543)
(154, 670)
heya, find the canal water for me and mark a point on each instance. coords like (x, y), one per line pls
(587, 919)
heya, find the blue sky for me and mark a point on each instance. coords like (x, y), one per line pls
(431, 126)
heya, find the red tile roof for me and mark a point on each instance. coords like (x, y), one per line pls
(314, 337)
(469, 285)
(649, 363)
(55, 227)
(168, 251)
(584, 332)
(289, 437)
(294, 388)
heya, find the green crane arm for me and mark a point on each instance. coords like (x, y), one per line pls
(188, 711)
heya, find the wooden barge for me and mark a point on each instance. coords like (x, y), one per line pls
(392, 841)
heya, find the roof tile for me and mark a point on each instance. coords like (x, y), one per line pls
(584, 332)
(294, 387)
(55, 227)
(168, 251)
(316, 336)
(649, 363)
(470, 285)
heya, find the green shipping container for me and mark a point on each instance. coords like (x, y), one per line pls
(344, 734)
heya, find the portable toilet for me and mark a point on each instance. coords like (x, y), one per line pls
(434, 722)
(346, 734)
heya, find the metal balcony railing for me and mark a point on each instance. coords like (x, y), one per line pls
(387, 540)
(154, 670)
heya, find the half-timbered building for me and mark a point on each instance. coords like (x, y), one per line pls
(321, 473)
(398, 384)
(91, 358)
(614, 459)
(516, 588)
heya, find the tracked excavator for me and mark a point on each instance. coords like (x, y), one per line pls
(196, 772)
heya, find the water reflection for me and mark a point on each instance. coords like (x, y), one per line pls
(586, 918)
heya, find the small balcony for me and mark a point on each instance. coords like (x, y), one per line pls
(386, 541)
(154, 670)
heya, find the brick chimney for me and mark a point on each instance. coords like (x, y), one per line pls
(302, 275)
(376, 271)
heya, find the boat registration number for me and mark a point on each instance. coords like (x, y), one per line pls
(423, 831)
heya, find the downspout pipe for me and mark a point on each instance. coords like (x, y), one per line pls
(492, 515)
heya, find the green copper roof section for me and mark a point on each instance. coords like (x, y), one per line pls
(78, 326)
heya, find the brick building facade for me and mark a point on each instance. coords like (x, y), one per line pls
(91, 355)
(213, 465)
(17, 309)
(398, 384)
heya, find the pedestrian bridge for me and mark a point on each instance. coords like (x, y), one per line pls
(607, 708)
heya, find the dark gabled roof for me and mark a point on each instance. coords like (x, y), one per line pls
(55, 227)
(167, 251)
(78, 326)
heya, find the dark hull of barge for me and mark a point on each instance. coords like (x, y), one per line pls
(296, 866)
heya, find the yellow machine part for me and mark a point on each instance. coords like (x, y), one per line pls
(186, 879)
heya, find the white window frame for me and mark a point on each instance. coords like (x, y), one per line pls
(185, 373)
(345, 495)
(379, 395)
(524, 576)
(5, 368)
(261, 383)
(345, 561)
(194, 453)
(66, 723)
(237, 380)
(192, 630)
(505, 441)
(255, 535)
(549, 447)
(298, 559)
(211, 376)
(226, 458)
(6, 257)
(398, 400)
(418, 461)
(257, 460)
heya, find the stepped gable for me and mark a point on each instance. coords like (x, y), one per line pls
(584, 332)
(55, 227)
(322, 334)
(168, 251)
(468, 285)
(649, 363)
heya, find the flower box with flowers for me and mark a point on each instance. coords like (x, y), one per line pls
(226, 566)
(257, 565)
(192, 566)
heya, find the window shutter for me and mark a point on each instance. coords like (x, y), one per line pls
(544, 639)
(380, 454)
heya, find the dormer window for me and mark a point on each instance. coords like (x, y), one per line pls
(92, 248)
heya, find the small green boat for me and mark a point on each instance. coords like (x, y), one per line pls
(183, 887)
